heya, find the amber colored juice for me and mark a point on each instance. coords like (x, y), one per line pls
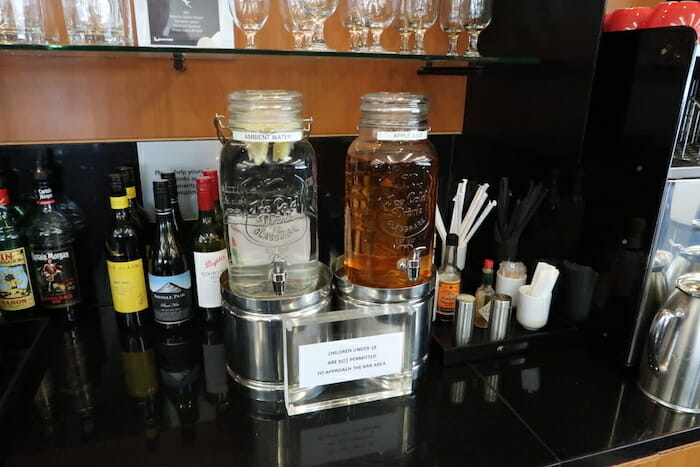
(389, 211)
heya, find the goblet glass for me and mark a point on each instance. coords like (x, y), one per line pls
(403, 28)
(477, 16)
(378, 15)
(291, 25)
(319, 11)
(452, 23)
(298, 14)
(421, 14)
(351, 20)
(250, 16)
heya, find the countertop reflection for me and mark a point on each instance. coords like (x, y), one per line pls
(164, 398)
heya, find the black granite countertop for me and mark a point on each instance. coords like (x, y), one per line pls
(157, 399)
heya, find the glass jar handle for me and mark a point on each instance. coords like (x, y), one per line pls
(308, 123)
(220, 128)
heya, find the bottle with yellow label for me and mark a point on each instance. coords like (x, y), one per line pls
(449, 281)
(17, 293)
(125, 267)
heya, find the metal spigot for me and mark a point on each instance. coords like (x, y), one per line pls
(278, 273)
(412, 265)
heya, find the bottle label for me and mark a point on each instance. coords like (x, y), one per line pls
(171, 297)
(4, 197)
(447, 297)
(208, 268)
(44, 196)
(118, 202)
(485, 311)
(411, 135)
(267, 137)
(128, 284)
(131, 192)
(15, 283)
(57, 277)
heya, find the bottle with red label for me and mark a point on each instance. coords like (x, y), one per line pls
(449, 281)
(52, 252)
(209, 247)
(17, 291)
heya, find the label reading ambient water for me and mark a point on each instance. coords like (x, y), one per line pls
(15, 284)
(263, 137)
(350, 359)
(208, 268)
(172, 297)
(411, 135)
(57, 276)
(128, 284)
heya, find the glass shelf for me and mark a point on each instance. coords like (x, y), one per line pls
(72, 50)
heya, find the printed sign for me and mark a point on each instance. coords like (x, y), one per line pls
(350, 359)
(184, 23)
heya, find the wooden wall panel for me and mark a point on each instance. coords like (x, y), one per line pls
(60, 97)
(615, 4)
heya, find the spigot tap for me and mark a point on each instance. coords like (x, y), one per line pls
(278, 273)
(412, 265)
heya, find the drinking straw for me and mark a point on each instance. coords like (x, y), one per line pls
(458, 207)
(479, 221)
(477, 202)
(440, 226)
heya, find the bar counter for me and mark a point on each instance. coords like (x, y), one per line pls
(570, 404)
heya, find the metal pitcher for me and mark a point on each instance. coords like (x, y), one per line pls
(670, 370)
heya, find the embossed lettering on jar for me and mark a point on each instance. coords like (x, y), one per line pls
(391, 176)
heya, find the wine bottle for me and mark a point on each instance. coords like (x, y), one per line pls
(168, 273)
(53, 258)
(17, 294)
(174, 199)
(209, 247)
(129, 180)
(214, 175)
(125, 265)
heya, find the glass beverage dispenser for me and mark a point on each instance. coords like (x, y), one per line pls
(391, 177)
(268, 185)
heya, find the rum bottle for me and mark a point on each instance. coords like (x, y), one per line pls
(449, 282)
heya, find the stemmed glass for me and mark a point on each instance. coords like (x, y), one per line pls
(477, 17)
(377, 15)
(291, 25)
(403, 28)
(421, 15)
(298, 15)
(350, 18)
(319, 11)
(452, 22)
(250, 16)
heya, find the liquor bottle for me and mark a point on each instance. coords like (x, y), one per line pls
(125, 264)
(450, 280)
(214, 175)
(168, 272)
(174, 199)
(17, 293)
(391, 175)
(51, 244)
(209, 247)
(129, 180)
(484, 294)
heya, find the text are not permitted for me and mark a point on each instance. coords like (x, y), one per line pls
(350, 359)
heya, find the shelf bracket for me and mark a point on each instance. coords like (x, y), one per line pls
(179, 61)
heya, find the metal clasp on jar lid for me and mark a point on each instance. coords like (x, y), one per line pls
(220, 128)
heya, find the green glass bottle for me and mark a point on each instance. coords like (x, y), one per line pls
(17, 293)
(125, 261)
(209, 247)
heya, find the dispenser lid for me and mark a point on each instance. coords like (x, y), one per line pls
(689, 284)
(306, 285)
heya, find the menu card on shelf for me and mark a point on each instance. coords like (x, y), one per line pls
(184, 23)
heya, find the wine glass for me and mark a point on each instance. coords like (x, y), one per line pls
(421, 14)
(377, 15)
(250, 16)
(452, 23)
(350, 18)
(319, 11)
(477, 16)
(291, 25)
(403, 28)
(301, 19)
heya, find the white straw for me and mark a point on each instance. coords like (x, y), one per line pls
(477, 202)
(458, 207)
(479, 221)
(440, 226)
